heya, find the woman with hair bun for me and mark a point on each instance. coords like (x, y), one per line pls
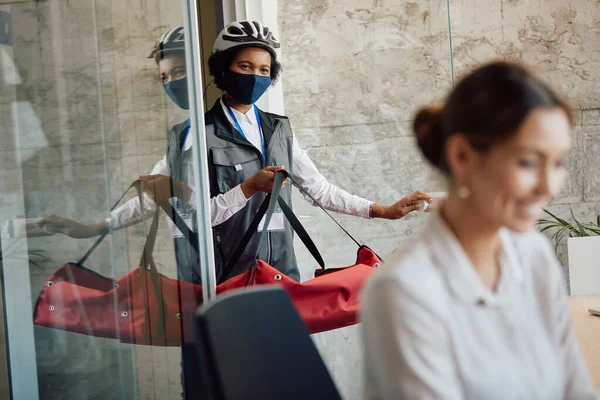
(474, 307)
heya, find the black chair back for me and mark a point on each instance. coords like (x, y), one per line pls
(253, 345)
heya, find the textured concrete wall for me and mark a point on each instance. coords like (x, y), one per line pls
(92, 116)
(353, 75)
(355, 72)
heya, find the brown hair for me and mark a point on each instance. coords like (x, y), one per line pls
(488, 106)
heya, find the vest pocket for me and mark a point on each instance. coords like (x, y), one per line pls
(233, 166)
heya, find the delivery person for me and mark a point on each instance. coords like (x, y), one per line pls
(246, 146)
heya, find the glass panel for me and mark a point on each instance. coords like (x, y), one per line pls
(560, 42)
(83, 114)
(354, 74)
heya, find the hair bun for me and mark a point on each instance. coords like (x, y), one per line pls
(428, 129)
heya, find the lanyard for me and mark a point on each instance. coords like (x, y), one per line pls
(185, 134)
(239, 128)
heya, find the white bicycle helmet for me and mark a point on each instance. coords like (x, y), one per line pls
(172, 41)
(246, 34)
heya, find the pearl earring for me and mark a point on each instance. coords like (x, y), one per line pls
(463, 192)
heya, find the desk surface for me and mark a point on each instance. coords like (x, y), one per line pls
(587, 329)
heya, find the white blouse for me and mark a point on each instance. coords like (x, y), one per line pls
(432, 330)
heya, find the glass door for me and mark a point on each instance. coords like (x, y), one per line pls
(89, 102)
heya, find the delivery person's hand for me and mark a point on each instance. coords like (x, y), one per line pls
(262, 181)
(401, 208)
(163, 187)
(72, 228)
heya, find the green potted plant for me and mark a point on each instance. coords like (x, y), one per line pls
(565, 229)
(583, 250)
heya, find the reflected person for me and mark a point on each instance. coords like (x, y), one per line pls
(172, 177)
(475, 306)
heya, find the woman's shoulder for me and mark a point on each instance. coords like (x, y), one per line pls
(536, 256)
(411, 270)
(412, 260)
(530, 246)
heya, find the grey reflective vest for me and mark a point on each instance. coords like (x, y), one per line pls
(231, 160)
(182, 169)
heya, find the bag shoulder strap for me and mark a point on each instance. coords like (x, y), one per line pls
(157, 332)
(294, 222)
(192, 237)
(301, 232)
(290, 216)
(138, 186)
(315, 201)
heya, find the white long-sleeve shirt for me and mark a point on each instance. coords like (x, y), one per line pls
(223, 206)
(432, 330)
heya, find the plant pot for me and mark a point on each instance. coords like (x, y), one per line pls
(584, 265)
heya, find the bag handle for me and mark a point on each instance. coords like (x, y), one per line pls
(292, 219)
(287, 211)
(147, 260)
(310, 196)
(272, 204)
(147, 263)
(290, 216)
(278, 182)
(192, 237)
(138, 185)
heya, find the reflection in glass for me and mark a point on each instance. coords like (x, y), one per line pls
(84, 114)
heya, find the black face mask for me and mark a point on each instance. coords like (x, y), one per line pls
(178, 92)
(246, 88)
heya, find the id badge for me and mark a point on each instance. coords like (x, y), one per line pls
(187, 218)
(276, 223)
